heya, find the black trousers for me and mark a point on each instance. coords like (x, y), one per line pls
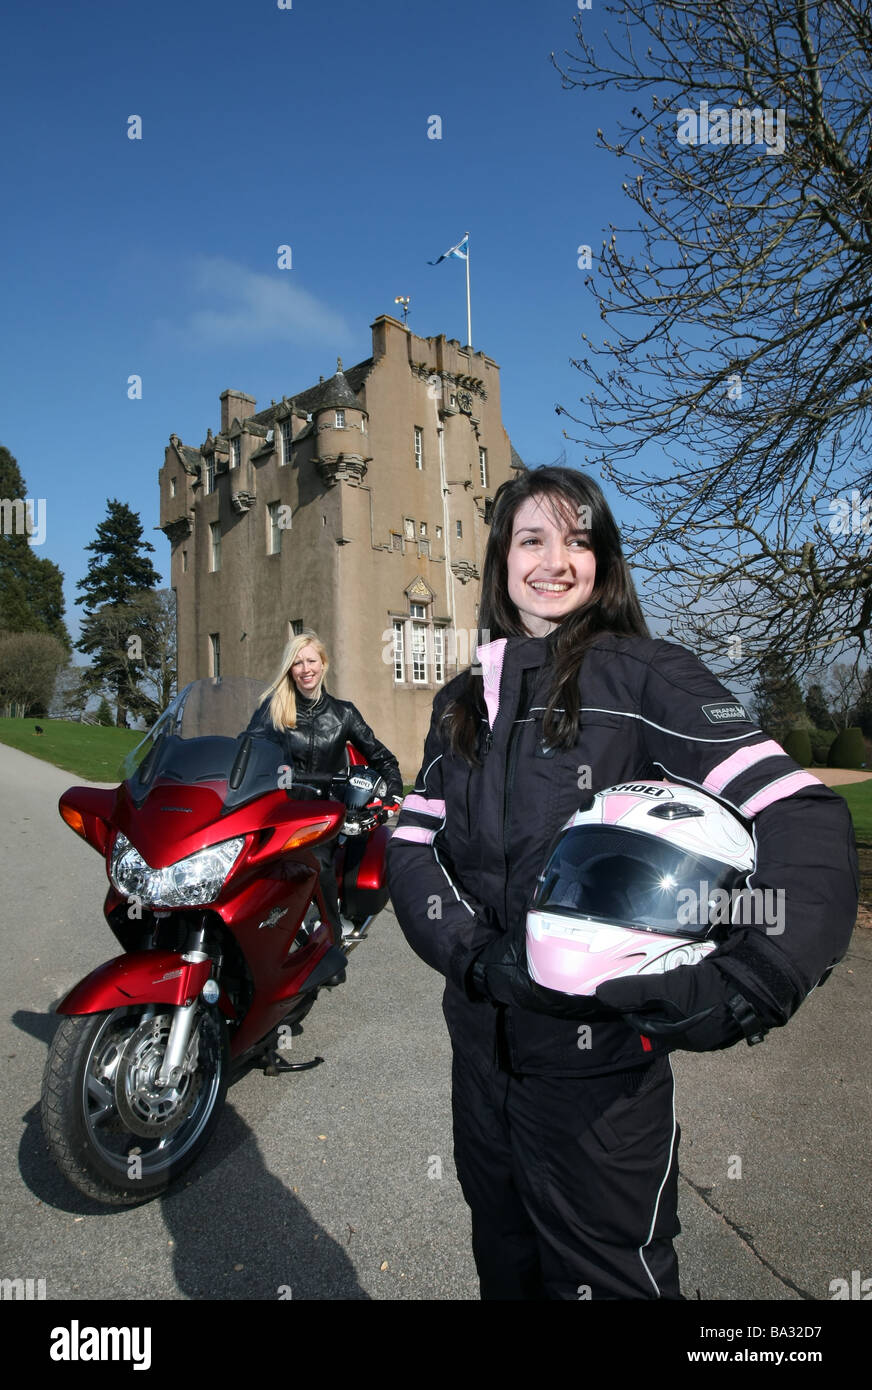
(329, 890)
(572, 1182)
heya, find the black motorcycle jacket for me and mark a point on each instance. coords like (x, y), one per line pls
(317, 742)
(471, 841)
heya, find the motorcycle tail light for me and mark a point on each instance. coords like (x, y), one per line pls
(306, 833)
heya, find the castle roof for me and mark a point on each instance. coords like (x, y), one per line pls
(340, 390)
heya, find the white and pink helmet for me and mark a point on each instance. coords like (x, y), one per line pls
(635, 884)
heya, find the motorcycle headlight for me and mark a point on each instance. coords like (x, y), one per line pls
(192, 882)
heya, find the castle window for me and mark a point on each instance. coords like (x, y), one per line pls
(423, 528)
(482, 466)
(340, 419)
(210, 473)
(438, 533)
(439, 654)
(234, 453)
(424, 549)
(184, 562)
(295, 627)
(214, 654)
(396, 541)
(172, 487)
(215, 546)
(287, 439)
(460, 530)
(419, 653)
(419, 447)
(363, 424)
(408, 528)
(418, 647)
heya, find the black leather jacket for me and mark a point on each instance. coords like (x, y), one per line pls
(317, 743)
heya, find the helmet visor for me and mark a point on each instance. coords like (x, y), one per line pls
(621, 876)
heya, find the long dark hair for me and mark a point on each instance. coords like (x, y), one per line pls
(612, 607)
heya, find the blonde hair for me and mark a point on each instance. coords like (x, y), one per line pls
(282, 694)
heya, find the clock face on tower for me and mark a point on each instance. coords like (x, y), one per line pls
(464, 401)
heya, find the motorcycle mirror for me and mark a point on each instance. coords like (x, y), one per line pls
(240, 763)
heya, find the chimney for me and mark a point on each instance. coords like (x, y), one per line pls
(385, 332)
(235, 404)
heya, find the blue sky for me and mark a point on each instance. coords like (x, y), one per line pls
(157, 257)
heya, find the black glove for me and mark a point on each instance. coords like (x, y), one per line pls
(741, 990)
(499, 973)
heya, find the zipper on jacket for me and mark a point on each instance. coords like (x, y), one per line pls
(512, 761)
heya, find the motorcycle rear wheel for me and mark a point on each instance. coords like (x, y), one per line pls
(113, 1133)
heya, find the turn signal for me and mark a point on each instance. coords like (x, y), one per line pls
(307, 833)
(74, 820)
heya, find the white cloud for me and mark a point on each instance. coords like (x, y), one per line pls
(247, 307)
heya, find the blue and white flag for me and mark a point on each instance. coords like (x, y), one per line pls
(457, 253)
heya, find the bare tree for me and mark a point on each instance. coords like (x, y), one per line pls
(738, 314)
(70, 698)
(29, 664)
(844, 688)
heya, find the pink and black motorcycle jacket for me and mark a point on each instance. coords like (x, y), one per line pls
(471, 841)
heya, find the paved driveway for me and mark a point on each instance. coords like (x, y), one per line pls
(321, 1182)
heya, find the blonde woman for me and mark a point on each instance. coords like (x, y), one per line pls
(315, 728)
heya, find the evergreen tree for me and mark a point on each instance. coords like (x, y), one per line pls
(31, 588)
(817, 708)
(778, 699)
(114, 626)
(861, 714)
(104, 713)
(120, 569)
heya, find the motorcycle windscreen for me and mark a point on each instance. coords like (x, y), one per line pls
(216, 707)
(204, 736)
(618, 876)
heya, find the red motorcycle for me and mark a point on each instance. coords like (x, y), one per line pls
(216, 902)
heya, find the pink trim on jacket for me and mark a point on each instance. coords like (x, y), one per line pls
(776, 791)
(491, 656)
(740, 761)
(425, 806)
(415, 833)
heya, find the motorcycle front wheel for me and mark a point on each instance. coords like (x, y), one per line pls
(114, 1133)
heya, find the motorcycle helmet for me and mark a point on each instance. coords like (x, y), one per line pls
(643, 879)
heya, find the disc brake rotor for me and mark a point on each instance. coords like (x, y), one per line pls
(145, 1108)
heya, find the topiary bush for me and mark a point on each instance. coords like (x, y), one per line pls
(847, 750)
(797, 745)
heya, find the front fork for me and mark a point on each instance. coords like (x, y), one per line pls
(172, 1069)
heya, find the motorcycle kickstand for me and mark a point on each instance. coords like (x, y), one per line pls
(278, 1065)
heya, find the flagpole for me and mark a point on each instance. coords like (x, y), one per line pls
(468, 301)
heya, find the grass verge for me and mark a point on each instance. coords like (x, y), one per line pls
(89, 751)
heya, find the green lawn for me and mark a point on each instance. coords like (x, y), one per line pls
(86, 750)
(859, 798)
